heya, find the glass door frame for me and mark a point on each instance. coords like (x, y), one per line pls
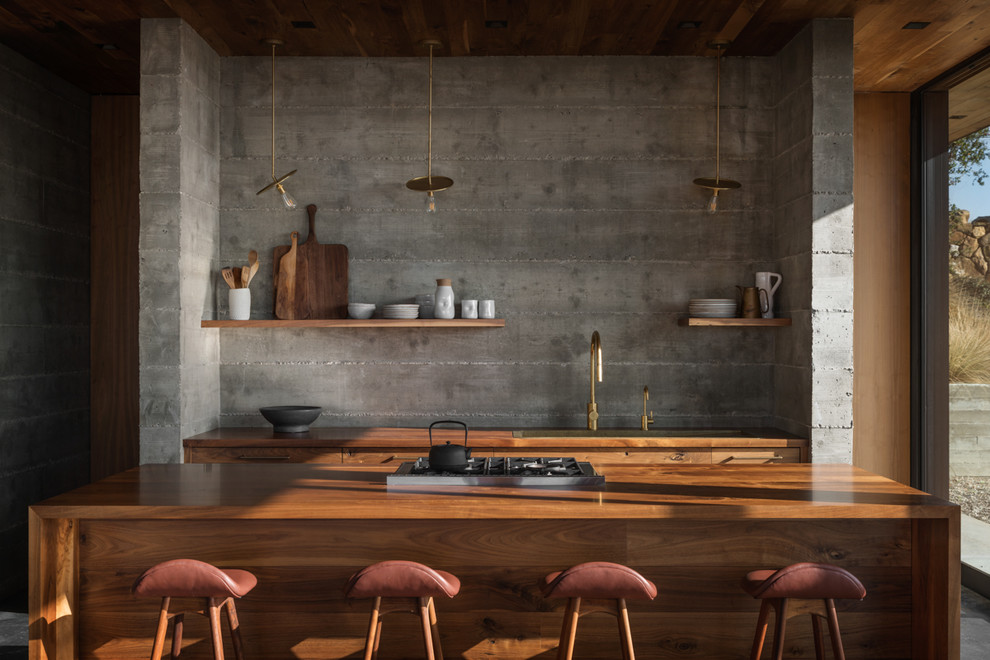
(930, 288)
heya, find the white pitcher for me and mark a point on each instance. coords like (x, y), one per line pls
(765, 282)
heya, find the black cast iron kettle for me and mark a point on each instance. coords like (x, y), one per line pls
(448, 457)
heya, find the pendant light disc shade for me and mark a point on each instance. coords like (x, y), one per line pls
(717, 184)
(429, 183)
(276, 182)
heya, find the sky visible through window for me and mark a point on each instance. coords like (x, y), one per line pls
(972, 197)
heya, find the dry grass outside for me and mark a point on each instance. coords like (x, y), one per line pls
(969, 332)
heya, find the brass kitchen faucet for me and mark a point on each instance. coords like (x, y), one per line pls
(645, 421)
(596, 360)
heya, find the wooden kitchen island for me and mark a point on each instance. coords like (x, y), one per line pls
(304, 528)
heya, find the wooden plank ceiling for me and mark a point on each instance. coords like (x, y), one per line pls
(95, 43)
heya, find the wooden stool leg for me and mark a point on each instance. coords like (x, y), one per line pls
(435, 631)
(235, 629)
(761, 631)
(568, 630)
(625, 632)
(177, 622)
(424, 616)
(156, 650)
(780, 622)
(833, 630)
(213, 607)
(817, 629)
(374, 630)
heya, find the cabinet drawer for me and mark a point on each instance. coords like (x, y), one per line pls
(648, 456)
(381, 456)
(756, 455)
(264, 455)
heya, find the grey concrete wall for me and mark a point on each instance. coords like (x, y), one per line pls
(180, 83)
(44, 298)
(813, 218)
(969, 430)
(572, 207)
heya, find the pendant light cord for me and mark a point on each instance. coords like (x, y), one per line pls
(273, 111)
(718, 107)
(429, 126)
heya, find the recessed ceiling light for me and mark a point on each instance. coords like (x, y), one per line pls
(496, 24)
(108, 46)
(308, 25)
(916, 25)
(689, 25)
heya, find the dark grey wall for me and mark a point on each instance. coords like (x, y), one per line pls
(44, 298)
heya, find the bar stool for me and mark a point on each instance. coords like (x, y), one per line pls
(600, 580)
(414, 585)
(189, 578)
(804, 581)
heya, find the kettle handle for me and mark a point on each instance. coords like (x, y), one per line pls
(448, 421)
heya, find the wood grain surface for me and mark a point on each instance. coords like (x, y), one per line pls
(303, 529)
(320, 290)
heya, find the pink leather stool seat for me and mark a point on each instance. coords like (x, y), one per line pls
(180, 578)
(190, 578)
(802, 581)
(401, 579)
(599, 580)
(411, 586)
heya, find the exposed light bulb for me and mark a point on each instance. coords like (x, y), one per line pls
(287, 199)
(431, 203)
(712, 203)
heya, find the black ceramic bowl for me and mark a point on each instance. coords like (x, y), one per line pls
(291, 419)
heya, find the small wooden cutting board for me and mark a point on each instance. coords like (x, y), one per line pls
(290, 282)
(320, 276)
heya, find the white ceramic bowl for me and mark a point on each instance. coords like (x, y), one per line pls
(360, 310)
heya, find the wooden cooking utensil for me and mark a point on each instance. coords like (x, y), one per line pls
(245, 276)
(237, 276)
(228, 277)
(253, 258)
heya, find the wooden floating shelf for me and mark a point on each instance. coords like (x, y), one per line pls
(358, 323)
(767, 323)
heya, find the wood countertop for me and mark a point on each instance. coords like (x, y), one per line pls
(358, 437)
(325, 492)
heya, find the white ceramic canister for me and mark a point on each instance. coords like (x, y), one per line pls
(469, 309)
(486, 309)
(240, 304)
(443, 305)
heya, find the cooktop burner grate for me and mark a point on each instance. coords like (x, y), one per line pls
(500, 471)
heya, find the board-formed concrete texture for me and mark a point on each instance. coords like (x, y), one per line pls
(572, 207)
(44, 297)
(180, 165)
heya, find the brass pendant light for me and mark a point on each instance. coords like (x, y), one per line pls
(717, 184)
(287, 199)
(430, 183)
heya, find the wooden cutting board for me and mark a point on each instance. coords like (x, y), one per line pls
(320, 276)
(290, 282)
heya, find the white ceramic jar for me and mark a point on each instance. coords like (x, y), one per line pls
(443, 305)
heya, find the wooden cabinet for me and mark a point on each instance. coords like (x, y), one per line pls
(263, 455)
(383, 446)
(755, 455)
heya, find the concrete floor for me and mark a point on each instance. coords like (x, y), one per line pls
(975, 628)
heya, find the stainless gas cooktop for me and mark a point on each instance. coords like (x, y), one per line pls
(499, 471)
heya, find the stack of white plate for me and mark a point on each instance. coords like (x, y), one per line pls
(712, 308)
(400, 311)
